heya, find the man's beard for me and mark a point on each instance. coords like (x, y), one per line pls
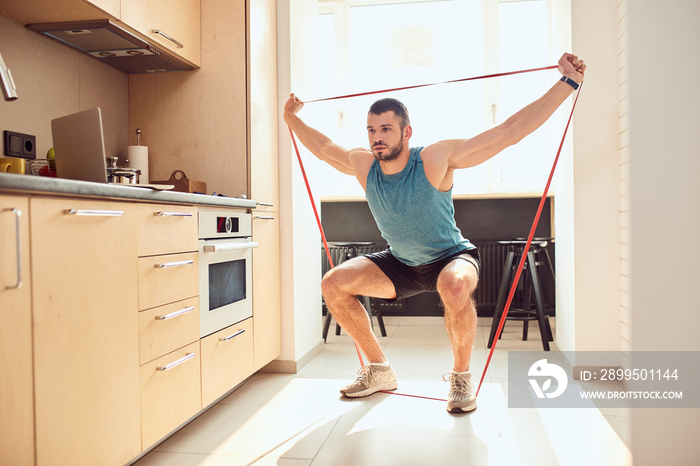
(390, 153)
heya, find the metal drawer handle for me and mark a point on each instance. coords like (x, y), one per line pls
(18, 229)
(171, 39)
(257, 217)
(266, 204)
(94, 213)
(176, 313)
(232, 336)
(185, 358)
(229, 246)
(172, 214)
(174, 264)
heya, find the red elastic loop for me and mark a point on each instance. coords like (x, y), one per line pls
(532, 229)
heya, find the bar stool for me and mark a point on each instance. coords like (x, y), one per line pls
(532, 283)
(351, 248)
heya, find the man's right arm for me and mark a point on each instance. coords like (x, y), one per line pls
(315, 141)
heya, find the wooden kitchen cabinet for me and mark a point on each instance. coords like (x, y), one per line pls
(86, 358)
(111, 7)
(263, 126)
(264, 179)
(16, 400)
(53, 11)
(166, 327)
(196, 122)
(168, 282)
(170, 392)
(267, 319)
(167, 278)
(177, 20)
(166, 229)
(227, 359)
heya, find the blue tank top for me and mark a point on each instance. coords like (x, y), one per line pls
(415, 218)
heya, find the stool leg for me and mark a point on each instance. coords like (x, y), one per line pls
(380, 321)
(500, 302)
(337, 328)
(372, 312)
(326, 324)
(541, 318)
(368, 308)
(526, 307)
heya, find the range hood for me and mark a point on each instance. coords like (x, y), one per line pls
(109, 42)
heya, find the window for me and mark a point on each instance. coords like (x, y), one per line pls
(364, 46)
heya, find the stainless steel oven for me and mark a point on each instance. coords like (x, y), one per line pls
(225, 265)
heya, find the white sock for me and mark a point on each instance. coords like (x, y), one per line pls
(381, 364)
(469, 373)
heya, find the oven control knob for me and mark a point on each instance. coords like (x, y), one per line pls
(229, 225)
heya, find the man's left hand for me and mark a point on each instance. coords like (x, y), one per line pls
(571, 67)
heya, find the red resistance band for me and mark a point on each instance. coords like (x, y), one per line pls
(532, 229)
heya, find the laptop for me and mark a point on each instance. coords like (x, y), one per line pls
(79, 146)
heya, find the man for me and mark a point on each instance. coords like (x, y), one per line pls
(409, 193)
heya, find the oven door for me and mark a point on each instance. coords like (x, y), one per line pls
(225, 283)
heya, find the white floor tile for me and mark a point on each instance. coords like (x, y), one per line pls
(301, 419)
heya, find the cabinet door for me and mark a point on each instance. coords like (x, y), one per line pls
(178, 23)
(16, 401)
(86, 359)
(262, 68)
(266, 289)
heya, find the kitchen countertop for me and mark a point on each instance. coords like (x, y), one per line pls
(44, 185)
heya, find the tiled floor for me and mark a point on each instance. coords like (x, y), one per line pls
(301, 419)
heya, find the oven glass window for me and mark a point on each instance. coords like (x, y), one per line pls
(227, 283)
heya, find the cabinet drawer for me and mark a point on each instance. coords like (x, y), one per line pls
(170, 392)
(166, 229)
(226, 359)
(168, 278)
(166, 328)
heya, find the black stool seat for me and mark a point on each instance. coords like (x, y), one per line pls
(532, 282)
(371, 311)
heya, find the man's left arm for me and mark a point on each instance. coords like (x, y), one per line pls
(471, 152)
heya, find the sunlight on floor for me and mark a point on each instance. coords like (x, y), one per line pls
(302, 419)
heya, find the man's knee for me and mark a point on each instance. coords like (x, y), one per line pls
(457, 287)
(333, 283)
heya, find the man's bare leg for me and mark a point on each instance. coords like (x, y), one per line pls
(358, 276)
(456, 284)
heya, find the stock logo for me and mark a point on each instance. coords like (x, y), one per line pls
(543, 370)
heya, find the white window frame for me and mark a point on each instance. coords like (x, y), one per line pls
(341, 11)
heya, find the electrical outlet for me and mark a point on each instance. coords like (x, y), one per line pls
(20, 145)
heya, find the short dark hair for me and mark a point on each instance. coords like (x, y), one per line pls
(391, 105)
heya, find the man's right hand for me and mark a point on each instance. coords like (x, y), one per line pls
(293, 105)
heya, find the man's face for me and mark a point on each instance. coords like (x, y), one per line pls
(385, 136)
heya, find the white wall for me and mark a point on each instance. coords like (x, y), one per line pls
(625, 180)
(665, 217)
(587, 213)
(300, 240)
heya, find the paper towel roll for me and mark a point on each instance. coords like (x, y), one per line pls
(138, 158)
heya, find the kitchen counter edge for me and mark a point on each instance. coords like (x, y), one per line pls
(27, 184)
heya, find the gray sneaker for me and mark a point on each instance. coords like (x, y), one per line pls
(372, 379)
(462, 397)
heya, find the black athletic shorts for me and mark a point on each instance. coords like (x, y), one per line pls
(410, 281)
